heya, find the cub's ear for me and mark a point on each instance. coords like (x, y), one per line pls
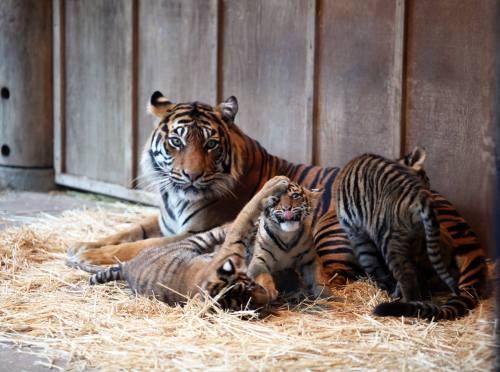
(414, 159)
(227, 269)
(228, 109)
(159, 105)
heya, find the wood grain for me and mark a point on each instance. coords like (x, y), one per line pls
(98, 82)
(177, 55)
(450, 106)
(26, 72)
(359, 79)
(266, 47)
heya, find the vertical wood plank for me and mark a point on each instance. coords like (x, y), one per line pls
(26, 83)
(177, 54)
(98, 82)
(58, 81)
(267, 51)
(359, 84)
(450, 100)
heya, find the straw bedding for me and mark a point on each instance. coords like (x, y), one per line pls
(48, 309)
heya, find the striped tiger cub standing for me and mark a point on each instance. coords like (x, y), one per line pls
(387, 210)
(198, 264)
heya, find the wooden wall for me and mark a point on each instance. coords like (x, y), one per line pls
(317, 81)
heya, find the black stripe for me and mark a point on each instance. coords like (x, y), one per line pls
(334, 251)
(335, 243)
(466, 248)
(263, 162)
(270, 253)
(277, 241)
(315, 181)
(304, 174)
(166, 226)
(184, 205)
(473, 265)
(330, 233)
(198, 211)
(327, 195)
(265, 263)
(164, 196)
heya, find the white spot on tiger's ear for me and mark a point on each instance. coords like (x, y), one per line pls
(228, 267)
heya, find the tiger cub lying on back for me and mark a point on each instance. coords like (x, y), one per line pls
(198, 264)
(386, 209)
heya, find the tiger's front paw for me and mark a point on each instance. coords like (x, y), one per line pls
(90, 254)
(276, 185)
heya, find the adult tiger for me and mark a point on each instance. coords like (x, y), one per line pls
(206, 169)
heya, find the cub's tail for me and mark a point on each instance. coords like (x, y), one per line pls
(110, 274)
(101, 275)
(455, 307)
(432, 233)
(473, 285)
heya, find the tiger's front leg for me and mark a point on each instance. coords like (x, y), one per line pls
(121, 246)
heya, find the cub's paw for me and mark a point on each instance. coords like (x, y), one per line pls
(259, 295)
(266, 281)
(276, 185)
(272, 293)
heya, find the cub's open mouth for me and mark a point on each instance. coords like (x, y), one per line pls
(289, 225)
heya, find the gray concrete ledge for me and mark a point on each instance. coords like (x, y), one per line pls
(39, 179)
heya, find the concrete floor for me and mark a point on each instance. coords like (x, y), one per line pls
(17, 207)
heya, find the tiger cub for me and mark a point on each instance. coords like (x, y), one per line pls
(386, 208)
(198, 264)
(274, 233)
(284, 240)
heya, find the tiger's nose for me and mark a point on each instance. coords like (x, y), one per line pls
(192, 175)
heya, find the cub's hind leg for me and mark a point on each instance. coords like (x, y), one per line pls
(369, 258)
(403, 267)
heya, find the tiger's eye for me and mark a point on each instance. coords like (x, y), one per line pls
(295, 195)
(176, 142)
(212, 144)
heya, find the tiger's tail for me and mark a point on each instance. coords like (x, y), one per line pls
(432, 233)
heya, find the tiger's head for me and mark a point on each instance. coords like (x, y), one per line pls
(189, 152)
(289, 210)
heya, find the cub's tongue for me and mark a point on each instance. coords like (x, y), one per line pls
(288, 215)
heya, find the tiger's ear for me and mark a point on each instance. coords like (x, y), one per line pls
(228, 109)
(414, 159)
(159, 105)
